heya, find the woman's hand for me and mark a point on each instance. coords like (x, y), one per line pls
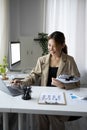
(57, 83)
(16, 82)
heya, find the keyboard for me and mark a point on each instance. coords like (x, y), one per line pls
(15, 91)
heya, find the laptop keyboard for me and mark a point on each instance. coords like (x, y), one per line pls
(15, 91)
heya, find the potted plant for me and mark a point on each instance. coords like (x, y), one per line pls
(3, 68)
(43, 39)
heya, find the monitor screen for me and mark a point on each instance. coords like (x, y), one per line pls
(15, 53)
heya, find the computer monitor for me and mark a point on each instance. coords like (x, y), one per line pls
(15, 53)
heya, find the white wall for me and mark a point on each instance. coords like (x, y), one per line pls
(4, 28)
(26, 20)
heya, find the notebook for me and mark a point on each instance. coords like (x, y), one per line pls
(11, 90)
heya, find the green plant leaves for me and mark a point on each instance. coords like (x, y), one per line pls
(43, 41)
(3, 66)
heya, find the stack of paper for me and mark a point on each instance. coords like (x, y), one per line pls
(68, 78)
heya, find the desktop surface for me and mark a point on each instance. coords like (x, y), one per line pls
(18, 105)
(73, 107)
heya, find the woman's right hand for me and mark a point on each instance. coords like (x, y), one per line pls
(16, 82)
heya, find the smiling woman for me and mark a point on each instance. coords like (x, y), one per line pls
(47, 68)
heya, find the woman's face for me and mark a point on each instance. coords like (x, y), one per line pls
(53, 48)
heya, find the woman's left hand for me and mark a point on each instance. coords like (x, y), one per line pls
(57, 83)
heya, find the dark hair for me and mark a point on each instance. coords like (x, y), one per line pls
(59, 38)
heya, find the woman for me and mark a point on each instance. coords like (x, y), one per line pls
(48, 67)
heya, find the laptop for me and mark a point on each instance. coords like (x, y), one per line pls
(11, 90)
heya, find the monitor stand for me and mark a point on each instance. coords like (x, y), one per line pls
(15, 70)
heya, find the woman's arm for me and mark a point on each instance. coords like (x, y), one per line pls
(31, 78)
(34, 75)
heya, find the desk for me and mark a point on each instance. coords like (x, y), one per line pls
(20, 106)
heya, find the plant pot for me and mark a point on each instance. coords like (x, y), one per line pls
(4, 76)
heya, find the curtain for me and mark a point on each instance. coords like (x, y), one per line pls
(70, 17)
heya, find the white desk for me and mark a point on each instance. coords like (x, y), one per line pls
(20, 106)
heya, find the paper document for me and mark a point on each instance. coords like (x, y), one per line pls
(74, 96)
(52, 98)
